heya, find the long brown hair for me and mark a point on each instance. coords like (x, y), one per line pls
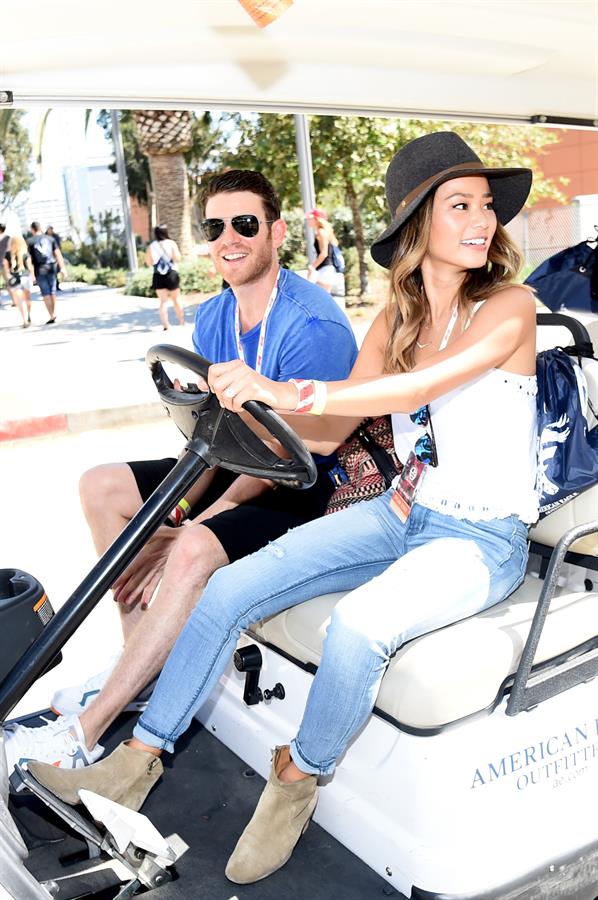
(18, 250)
(407, 307)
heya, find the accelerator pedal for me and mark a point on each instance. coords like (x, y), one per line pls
(128, 837)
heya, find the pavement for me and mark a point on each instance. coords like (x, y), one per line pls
(85, 371)
(88, 369)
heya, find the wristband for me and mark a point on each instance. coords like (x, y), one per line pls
(320, 398)
(311, 396)
(180, 513)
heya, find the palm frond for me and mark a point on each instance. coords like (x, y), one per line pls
(39, 139)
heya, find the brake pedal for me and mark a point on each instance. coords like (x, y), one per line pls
(130, 838)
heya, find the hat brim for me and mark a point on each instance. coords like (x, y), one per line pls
(510, 189)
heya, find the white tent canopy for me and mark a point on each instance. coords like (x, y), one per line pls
(496, 60)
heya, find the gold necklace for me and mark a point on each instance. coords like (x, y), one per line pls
(431, 328)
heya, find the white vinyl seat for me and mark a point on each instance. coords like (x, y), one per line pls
(458, 670)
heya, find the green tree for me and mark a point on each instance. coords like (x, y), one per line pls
(15, 153)
(266, 142)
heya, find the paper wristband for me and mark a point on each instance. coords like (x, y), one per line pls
(180, 512)
(311, 396)
(320, 398)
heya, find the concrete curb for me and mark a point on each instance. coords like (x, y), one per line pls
(71, 423)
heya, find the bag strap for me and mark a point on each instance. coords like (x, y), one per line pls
(583, 350)
(164, 255)
(381, 457)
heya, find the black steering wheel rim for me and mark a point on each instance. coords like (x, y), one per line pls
(202, 406)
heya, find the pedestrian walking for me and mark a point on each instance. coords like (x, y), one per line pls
(328, 267)
(58, 239)
(163, 254)
(4, 241)
(47, 261)
(19, 275)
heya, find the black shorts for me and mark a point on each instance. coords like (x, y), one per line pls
(168, 282)
(250, 526)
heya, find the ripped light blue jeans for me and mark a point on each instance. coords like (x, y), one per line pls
(404, 580)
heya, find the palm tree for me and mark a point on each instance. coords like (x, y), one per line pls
(165, 135)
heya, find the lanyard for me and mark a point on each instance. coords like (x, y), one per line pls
(443, 343)
(262, 337)
(449, 328)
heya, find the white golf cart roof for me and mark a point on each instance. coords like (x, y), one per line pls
(495, 60)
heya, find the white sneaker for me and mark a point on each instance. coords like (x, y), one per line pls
(60, 743)
(77, 698)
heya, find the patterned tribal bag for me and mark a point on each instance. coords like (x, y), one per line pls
(367, 464)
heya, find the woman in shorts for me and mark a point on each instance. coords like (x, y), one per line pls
(19, 276)
(163, 254)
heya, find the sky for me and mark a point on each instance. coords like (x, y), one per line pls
(66, 143)
(65, 140)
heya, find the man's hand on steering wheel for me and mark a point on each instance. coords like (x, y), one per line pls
(234, 383)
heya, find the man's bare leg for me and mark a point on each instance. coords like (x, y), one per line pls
(50, 301)
(195, 557)
(110, 498)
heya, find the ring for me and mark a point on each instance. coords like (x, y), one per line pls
(230, 393)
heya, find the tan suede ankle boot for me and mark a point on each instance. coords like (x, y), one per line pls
(126, 776)
(280, 818)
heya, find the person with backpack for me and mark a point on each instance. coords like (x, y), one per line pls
(328, 267)
(19, 274)
(47, 261)
(163, 254)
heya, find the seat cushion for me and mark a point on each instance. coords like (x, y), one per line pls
(455, 671)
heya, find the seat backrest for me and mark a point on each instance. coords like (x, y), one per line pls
(583, 508)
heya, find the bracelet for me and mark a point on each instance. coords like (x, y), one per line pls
(320, 398)
(180, 513)
(311, 396)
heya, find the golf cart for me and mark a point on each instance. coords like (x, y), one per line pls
(475, 775)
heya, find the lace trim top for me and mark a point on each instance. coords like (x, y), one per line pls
(486, 439)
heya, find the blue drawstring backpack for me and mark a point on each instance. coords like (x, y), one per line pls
(567, 449)
(569, 279)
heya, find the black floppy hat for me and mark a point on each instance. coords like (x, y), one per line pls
(426, 162)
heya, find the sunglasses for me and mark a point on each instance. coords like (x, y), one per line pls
(246, 225)
(425, 446)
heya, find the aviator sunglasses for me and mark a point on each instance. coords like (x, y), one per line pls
(246, 225)
(425, 446)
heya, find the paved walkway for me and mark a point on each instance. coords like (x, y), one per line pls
(88, 369)
(85, 371)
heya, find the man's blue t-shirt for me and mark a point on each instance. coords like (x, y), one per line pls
(307, 334)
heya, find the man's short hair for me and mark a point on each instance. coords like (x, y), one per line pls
(244, 180)
(2, 227)
(35, 226)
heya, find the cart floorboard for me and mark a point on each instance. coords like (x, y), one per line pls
(207, 795)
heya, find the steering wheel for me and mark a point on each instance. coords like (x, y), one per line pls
(221, 437)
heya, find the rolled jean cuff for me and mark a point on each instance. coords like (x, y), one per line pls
(151, 739)
(310, 768)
